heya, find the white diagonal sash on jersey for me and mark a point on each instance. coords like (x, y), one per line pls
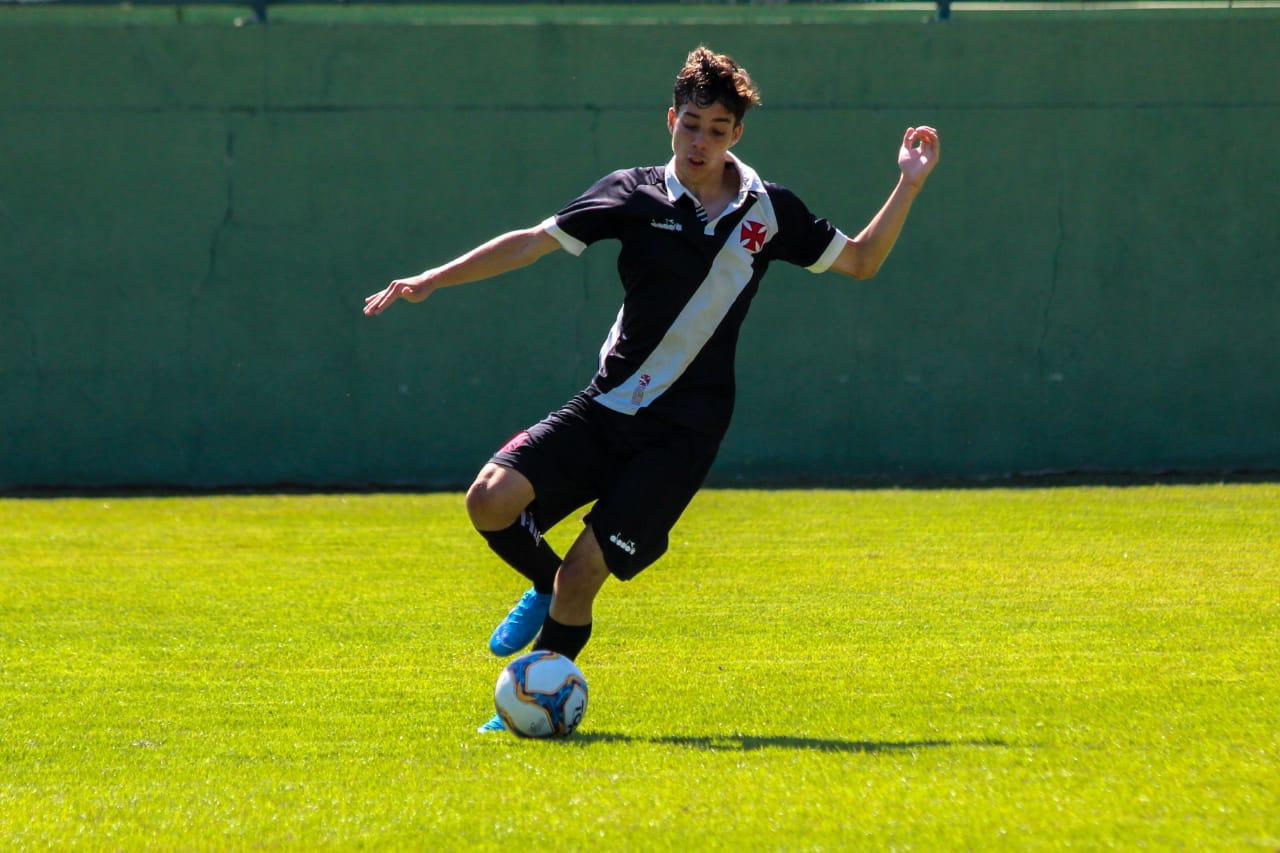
(730, 273)
(614, 334)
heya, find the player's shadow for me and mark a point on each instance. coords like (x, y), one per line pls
(749, 743)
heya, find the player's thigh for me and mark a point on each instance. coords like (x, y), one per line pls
(633, 519)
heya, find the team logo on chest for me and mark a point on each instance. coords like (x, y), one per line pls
(752, 235)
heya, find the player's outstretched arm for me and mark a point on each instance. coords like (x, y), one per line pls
(863, 255)
(511, 251)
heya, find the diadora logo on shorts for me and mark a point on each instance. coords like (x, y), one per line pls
(752, 235)
(625, 544)
(666, 224)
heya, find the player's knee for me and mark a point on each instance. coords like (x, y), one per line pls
(489, 505)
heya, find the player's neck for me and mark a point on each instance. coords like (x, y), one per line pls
(716, 191)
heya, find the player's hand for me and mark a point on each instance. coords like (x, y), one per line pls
(413, 289)
(919, 154)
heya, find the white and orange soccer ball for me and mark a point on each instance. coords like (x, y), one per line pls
(541, 694)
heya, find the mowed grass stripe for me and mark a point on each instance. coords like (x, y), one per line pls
(805, 669)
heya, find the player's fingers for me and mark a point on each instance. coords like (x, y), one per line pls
(384, 299)
(906, 137)
(930, 147)
(922, 140)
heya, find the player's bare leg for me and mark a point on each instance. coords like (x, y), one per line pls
(579, 580)
(568, 625)
(497, 497)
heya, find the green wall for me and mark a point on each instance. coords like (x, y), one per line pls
(191, 216)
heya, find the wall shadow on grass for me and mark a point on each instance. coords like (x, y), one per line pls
(750, 743)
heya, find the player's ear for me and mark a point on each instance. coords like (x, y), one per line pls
(671, 119)
(736, 133)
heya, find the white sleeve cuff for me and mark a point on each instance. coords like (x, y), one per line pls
(833, 251)
(571, 244)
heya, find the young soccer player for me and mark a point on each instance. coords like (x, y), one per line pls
(697, 235)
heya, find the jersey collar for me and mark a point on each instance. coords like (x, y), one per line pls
(750, 182)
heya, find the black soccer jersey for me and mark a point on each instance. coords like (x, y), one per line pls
(688, 283)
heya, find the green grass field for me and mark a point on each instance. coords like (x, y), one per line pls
(1089, 667)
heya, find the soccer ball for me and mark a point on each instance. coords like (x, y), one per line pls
(541, 694)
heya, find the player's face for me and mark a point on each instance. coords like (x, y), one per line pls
(700, 136)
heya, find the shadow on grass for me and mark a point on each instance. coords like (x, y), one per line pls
(749, 743)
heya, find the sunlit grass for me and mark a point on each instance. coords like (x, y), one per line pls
(804, 669)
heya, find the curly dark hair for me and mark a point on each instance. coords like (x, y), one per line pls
(709, 78)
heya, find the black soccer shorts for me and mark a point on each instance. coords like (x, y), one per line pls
(641, 471)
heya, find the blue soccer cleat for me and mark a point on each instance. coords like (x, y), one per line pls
(521, 625)
(494, 725)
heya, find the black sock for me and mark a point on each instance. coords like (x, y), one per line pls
(522, 547)
(567, 640)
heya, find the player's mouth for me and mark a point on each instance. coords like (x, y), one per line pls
(697, 162)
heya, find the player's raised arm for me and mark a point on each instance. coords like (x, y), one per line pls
(863, 255)
(511, 251)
